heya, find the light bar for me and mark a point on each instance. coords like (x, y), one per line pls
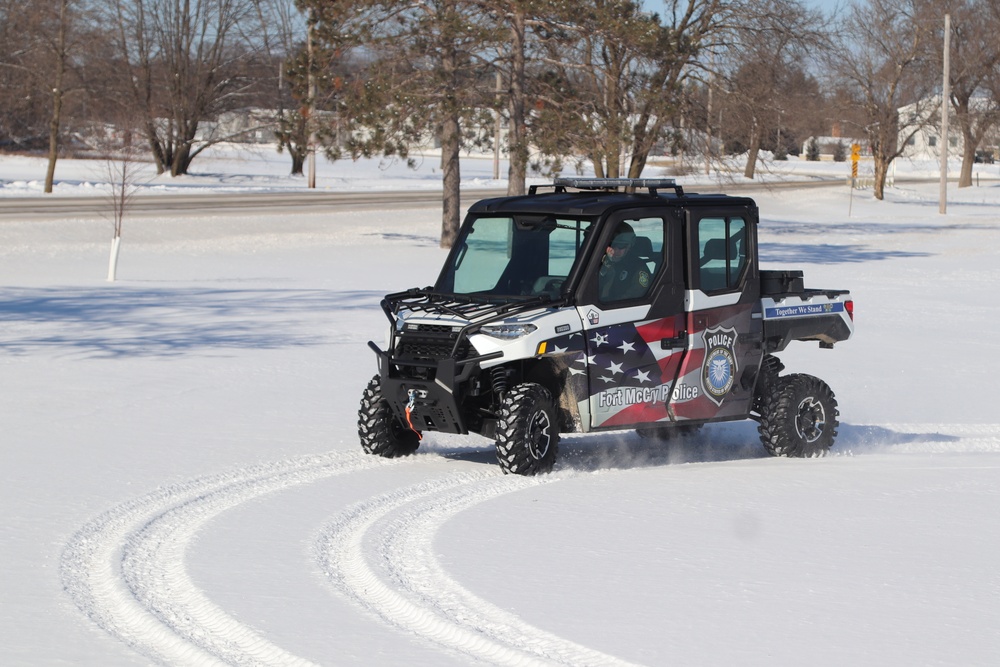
(600, 183)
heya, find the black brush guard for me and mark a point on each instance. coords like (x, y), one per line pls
(430, 369)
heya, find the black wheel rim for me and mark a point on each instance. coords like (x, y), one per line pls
(397, 429)
(810, 419)
(538, 435)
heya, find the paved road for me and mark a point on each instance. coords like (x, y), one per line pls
(299, 201)
(225, 203)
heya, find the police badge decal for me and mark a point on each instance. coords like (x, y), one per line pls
(719, 368)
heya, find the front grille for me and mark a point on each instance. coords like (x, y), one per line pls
(430, 342)
(428, 350)
(433, 328)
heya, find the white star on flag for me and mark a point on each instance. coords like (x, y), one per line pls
(599, 339)
(642, 376)
(627, 347)
(615, 368)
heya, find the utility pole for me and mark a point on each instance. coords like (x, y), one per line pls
(945, 95)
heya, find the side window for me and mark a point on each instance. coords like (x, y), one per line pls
(722, 253)
(632, 260)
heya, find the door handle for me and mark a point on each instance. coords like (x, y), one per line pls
(680, 340)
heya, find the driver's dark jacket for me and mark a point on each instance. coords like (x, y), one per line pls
(627, 278)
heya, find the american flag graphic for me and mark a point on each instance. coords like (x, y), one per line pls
(627, 377)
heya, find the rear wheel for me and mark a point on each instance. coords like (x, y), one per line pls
(798, 417)
(527, 437)
(380, 431)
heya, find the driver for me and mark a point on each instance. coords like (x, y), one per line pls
(623, 274)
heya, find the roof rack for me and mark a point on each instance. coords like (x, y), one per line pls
(629, 184)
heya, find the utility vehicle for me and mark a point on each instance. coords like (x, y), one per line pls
(521, 339)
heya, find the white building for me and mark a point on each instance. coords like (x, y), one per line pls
(926, 143)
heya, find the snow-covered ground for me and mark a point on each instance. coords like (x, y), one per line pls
(182, 482)
(255, 168)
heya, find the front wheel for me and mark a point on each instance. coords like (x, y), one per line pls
(798, 417)
(380, 431)
(527, 437)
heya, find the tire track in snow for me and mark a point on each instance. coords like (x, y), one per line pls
(408, 588)
(125, 569)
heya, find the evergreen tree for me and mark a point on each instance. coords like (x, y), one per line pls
(839, 152)
(615, 73)
(812, 150)
(424, 77)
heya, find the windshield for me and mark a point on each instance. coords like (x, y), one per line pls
(514, 256)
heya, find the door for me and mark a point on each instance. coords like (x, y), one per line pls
(724, 325)
(633, 320)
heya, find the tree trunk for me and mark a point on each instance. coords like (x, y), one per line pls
(57, 98)
(637, 164)
(881, 171)
(645, 133)
(298, 145)
(517, 132)
(182, 159)
(298, 162)
(451, 180)
(968, 159)
(54, 125)
(154, 147)
(613, 159)
(598, 165)
(751, 166)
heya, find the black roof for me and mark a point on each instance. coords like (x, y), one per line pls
(589, 203)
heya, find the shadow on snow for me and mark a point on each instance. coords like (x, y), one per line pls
(126, 321)
(775, 245)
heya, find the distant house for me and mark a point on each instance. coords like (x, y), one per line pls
(245, 126)
(926, 143)
(828, 144)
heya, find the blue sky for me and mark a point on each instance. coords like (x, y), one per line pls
(826, 5)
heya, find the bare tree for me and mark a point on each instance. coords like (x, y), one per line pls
(60, 51)
(974, 68)
(186, 63)
(881, 61)
(516, 16)
(19, 106)
(770, 42)
(283, 29)
(688, 29)
(122, 171)
(38, 60)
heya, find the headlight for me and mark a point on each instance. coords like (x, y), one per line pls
(508, 331)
